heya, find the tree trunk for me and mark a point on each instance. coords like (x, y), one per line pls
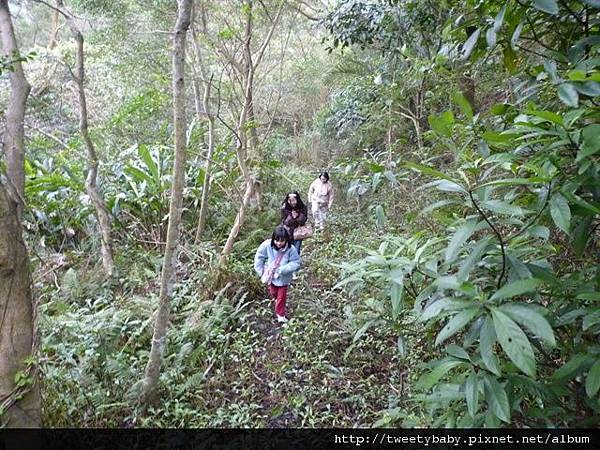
(203, 110)
(20, 406)
(91, 187)
(246, 71)
(14, 136)
(170, 258)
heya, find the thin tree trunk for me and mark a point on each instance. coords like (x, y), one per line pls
(91, 186)
(247, 70)
(203, 110)
(14, 137)
(170, 258)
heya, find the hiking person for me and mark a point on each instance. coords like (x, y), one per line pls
(275, 261)
(320, 195)
(293, 215)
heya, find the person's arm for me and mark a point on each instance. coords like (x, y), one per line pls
(310, 191)
(261, 258)
(283, 214)
(301, 219)
(330, 195)
(293, 263)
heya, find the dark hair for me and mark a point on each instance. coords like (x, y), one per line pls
(324, 174)
(299, 205)
(281, 234)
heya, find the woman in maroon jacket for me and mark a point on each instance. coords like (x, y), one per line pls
(293, 215)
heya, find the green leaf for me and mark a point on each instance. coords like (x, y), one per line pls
(449, 186)
(548, 115)
(468, 46)
(532, 320)
(560, 212)
(490, 37)
(396, 296)
(515, 38)
(428, 171)
(589, 88)
(435, 308)
(457, 352)
(363, 330)
(472, 394)
(514, 342)
(459, 237)
(591, 141)
(549, 6)
(379, 216)
(463, 103)
(568, 94)
(455, 324)
(592, 296)
(473, 258)
(401, 347)
(592, 381)
(571, 368)
(496, 398)
(499, 18)
(439, 125)
(145, 155)
(487, 339)
(511, 182)
(516, 288)
(431, 378)
(500, 207)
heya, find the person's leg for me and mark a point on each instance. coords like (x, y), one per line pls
(273, 291)
(280, 301)
(319, 217)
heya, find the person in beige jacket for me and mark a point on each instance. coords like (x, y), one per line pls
(320, 196)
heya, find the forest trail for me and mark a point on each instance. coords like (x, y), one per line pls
(306, 372)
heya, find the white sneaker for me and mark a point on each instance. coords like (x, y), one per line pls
(281, 319)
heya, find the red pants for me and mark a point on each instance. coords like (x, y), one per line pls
(279, 294)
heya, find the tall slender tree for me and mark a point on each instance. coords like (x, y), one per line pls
(246, 133)
(14, 136)
(150, 381)
(91, 181)
(19, 390)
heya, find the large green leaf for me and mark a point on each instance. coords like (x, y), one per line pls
(568, 94)
(516, 288)
(532, 320)
(496, 398)
(472, 394)
(560, 212)
(428, 171)
(591, 141)
(487, 339)
(146, 157)
(549, 6)
(592, 381)
(463, 103)
(514, 342)
(430, 378)
(396, 294)
(459, 237)
(500, 207)
(571, 368)
(469, 45)
(474, 257)
(455, 324)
